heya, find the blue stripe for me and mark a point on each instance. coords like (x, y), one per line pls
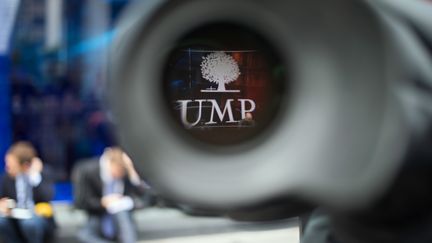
(5, 112)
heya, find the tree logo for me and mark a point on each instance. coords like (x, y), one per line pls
(220, 68)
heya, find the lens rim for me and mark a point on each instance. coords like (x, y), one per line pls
(292, 169)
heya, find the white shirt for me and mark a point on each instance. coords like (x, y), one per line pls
(24, 184)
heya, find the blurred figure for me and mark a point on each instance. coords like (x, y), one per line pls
(25, 192)
(108, 189)
(248, 120)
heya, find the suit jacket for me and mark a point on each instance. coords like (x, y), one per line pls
(88, 188)
(44, 192)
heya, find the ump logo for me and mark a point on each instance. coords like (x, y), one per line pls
(221, 69)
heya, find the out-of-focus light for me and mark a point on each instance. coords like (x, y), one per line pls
(8, 10)
(93, 44)
(53, 34)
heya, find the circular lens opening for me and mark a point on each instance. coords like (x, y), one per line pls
(224, 83)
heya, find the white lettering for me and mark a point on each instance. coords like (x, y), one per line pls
(183, 112)
(246, 106)
(243, 107)
(227, 109)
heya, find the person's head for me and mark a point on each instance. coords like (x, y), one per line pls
(115, 157)
(19, 158)
(248, 116)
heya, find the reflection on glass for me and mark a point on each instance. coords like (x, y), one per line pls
(224, 84)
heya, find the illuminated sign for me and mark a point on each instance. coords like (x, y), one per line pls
(221, 69)
(226, 88)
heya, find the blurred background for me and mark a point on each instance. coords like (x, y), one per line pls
(54, 78)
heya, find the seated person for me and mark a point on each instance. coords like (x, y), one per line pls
(108, 189)
(25, 212)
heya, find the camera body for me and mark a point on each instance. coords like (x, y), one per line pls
(335, 109)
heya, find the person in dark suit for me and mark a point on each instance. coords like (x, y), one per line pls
(108, 189)
(25, 193)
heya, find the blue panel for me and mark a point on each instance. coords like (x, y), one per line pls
(63, 192)
(5, 113)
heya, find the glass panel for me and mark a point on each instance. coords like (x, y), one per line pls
(224, 84)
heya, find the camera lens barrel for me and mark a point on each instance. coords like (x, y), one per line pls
(227, 104)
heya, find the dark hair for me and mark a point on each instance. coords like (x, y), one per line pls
(24, 152)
